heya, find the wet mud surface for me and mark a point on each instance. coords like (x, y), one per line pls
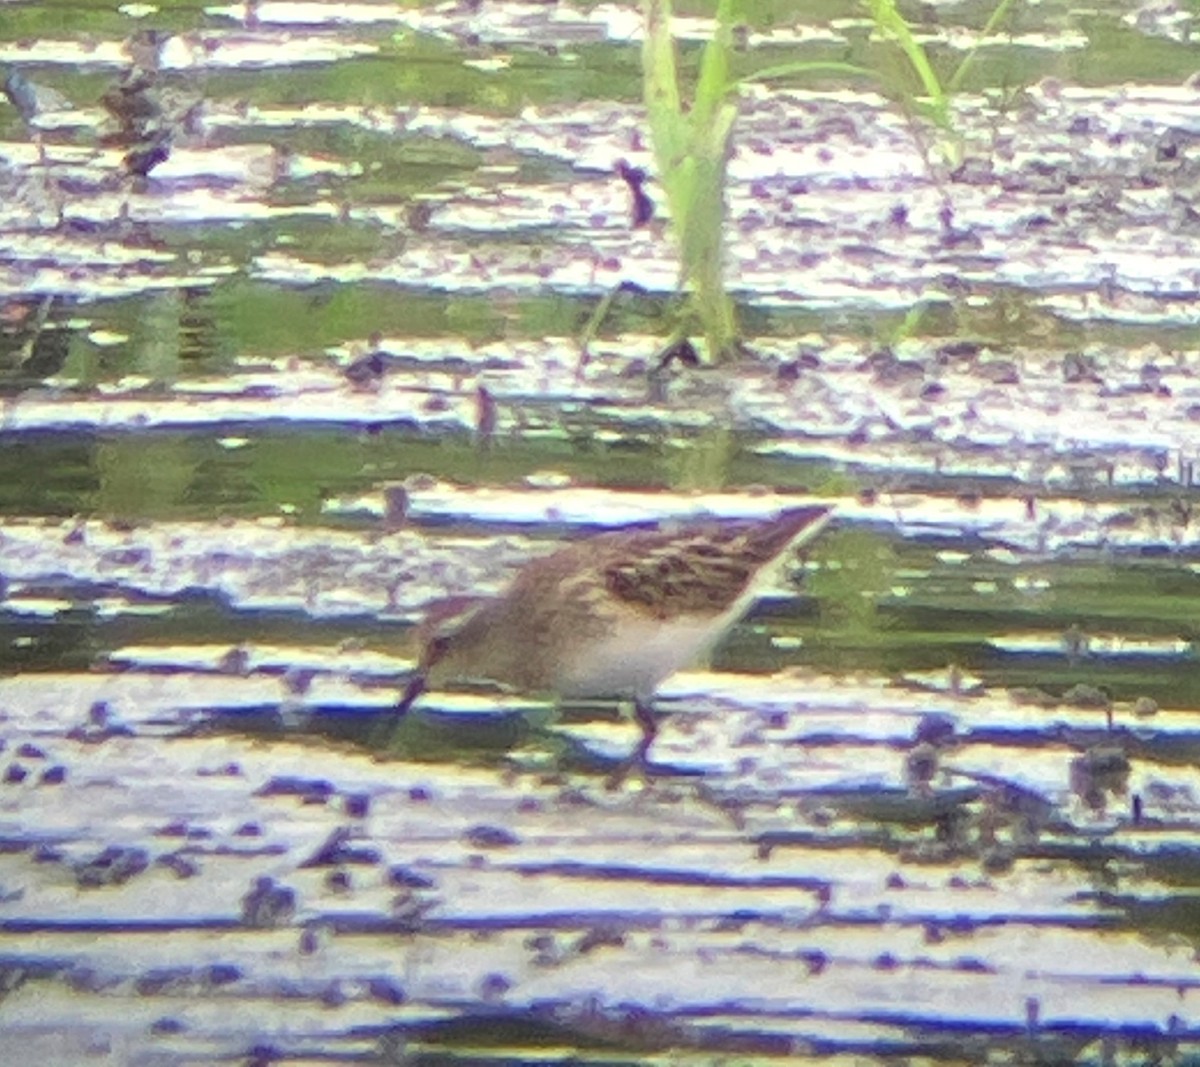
(290, 297)
(223, 850)
(813, 889)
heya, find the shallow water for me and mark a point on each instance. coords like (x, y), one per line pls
(935, 800)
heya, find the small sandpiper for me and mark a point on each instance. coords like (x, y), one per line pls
(612, 615)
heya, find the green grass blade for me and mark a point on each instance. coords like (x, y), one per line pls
(790, 70)
(889, 20)
(713, 85)
(691, 152)
(660, 82)
(989, 28)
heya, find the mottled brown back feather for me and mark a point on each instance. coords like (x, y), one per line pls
(702, 569)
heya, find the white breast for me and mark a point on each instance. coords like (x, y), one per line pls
(637, 655)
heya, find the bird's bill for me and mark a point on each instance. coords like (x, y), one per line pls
(415, 687)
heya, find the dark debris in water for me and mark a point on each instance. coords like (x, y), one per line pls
(114, 866)
(516, 887)
(1004, 403)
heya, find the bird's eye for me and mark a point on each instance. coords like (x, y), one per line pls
(437, 648)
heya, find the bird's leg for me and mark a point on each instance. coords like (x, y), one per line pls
(415, 687)
(643, 711)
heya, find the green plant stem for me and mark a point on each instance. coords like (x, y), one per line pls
(989, 28)
(889, 21)
(691, 152)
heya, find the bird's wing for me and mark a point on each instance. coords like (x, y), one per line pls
(664, 575)
(706, 569)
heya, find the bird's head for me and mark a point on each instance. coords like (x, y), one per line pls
(444, 641)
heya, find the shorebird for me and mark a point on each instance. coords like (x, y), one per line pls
(613, 615)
